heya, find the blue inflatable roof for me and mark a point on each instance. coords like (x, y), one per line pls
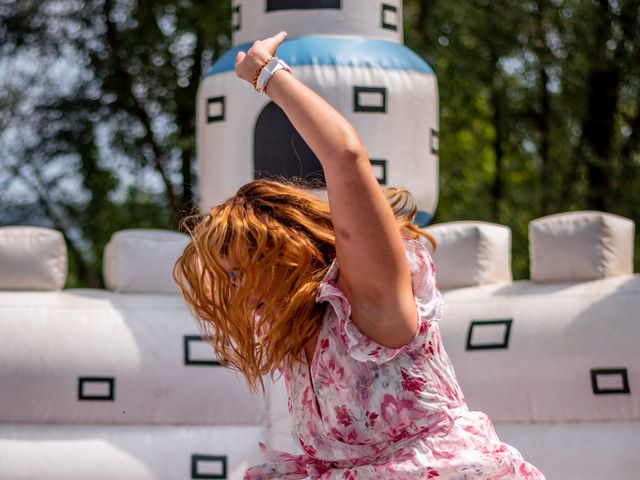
(341, 51)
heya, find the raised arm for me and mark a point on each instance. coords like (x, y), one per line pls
(374, 273)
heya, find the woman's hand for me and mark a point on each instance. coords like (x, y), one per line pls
(248, 64)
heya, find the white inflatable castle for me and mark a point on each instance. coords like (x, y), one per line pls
(349, 51)
(118, 383)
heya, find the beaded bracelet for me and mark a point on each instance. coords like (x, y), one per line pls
(254, 80)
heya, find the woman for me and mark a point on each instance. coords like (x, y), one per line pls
(344, 302)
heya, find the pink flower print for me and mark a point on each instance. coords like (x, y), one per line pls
(363, 385)
(423, 328)
(430, 350)
(525, 471)
(308, 449)
(399, 434)
(306, 398)
(337, 371)
(337, 434)
(497, 452)
(348, 475)
(441, 453)
(324, 344)
(396, 411)
(399, 414)
(324, 377)
(412, 384)
(370, 419)
(344, 416)
(329, 374)
(350, 437)
(431, 473)
(474, 431)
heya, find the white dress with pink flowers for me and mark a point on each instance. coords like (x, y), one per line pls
(364, 411)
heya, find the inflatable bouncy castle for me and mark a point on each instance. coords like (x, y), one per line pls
(351, 53)
(118, 383)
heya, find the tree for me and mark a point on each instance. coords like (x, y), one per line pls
(539, 107)
(104, 136)
(539, 103)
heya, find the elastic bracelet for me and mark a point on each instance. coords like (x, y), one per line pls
(267, 72)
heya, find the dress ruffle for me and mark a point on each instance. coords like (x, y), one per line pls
(473, 453)
(285, 466)
(427, 298)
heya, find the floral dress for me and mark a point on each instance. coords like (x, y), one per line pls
(364, 411)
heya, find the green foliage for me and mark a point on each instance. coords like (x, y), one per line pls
(103, 136)
(539, 103)
(540, 108)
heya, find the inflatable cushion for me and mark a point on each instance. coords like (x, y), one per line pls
(141, 260)
(471, 253)
(32, 258)
(580, 246)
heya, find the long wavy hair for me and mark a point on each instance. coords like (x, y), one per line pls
(281, 238)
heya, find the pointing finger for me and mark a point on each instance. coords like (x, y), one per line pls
(275, 41)
(279, 37)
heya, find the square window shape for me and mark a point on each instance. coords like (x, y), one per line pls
(389, 17)
(489, 334)
(370, 99)
(198, 352)
(236, 18)
(208, 466)
(215, 109)
(96, 388)
(434, 141)
(379, 168)
(606, 381)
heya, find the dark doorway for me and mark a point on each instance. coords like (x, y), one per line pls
(280, 151)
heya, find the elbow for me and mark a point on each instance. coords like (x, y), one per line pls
(353, 149)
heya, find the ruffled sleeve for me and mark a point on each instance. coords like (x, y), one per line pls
(427, 297)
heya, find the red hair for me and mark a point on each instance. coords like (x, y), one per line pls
(281, 238)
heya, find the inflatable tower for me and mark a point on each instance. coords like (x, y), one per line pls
(351, 53)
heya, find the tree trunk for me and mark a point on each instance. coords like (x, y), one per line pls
(497, 189)
(137, 109)
(543, 116)
(599, 123)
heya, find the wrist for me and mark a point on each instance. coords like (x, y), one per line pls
(266, 73)
(256, 75)
(276, 79)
